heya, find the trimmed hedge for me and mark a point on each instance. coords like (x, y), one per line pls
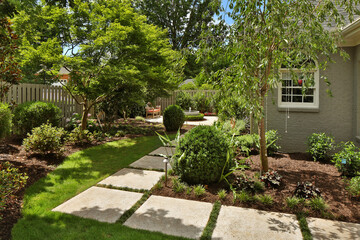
(33, 114)
(198, 117)
(174, 118)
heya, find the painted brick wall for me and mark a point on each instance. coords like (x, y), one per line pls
(335, 115)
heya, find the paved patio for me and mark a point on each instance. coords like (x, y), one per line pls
(208, 120)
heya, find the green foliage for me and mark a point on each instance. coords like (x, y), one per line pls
(271, 178)
(354, 186)
(45, 139)
(188, 190)
(80, 137)
(202, 155)
(244, 196)
(139, 118)
(202, 103)
(173, 118)
(231, 127)
(320, 145)
(265, 199)
(272, 138)
(293, 202)
(306, 190)
(11, 180)
(246, 142)
(347, 160)
(318, 204)
(75, 121)
(198, 117)
(5, 120)
(229, 105)
(178, 186)
(199, 190)
(33, 114)
(184, 100)
(188, 86)
(244, 183)
(158, 186)
(222, 194)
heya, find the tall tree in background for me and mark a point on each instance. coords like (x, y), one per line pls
(106, 46)
(267, 35)
(184, 21)
(9, 68)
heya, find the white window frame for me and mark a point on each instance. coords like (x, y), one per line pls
(294, 105)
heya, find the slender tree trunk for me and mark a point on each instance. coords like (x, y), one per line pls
(84, 116)
(263, 150)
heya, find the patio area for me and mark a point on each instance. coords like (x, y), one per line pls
(208, 120)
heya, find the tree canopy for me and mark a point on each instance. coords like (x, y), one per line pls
(267, 35)
(105, 45)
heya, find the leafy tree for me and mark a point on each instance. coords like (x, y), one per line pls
(104, 44)
(9, 69)
(267, 35)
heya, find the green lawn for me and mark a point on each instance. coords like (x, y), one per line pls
(78, 172)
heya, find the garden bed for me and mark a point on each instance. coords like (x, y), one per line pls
(37, 166)
(296, 167)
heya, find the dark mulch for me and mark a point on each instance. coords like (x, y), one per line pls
(295, 167)
(37, 166)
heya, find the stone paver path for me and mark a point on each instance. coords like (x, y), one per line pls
(243, 223)
(150, 162)
(322, 229)
(163, 150)
(171, 216)
(102, 204)
(133, 178)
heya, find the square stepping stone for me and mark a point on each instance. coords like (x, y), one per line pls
(163, 150)
(244, 223)
(327, 229)
(133, 178)
(150, 162)
(102, 204)
(172, 216)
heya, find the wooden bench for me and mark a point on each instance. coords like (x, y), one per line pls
(153, 111)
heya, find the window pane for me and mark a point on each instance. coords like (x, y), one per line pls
(309, 91)
(286, 98)
(286, 83)
(297, 91)
(297, 99)
(309, 99)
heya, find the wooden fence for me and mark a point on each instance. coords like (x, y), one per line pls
(46, 93)
(164, 102)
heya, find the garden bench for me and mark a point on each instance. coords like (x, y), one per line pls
(153, 111)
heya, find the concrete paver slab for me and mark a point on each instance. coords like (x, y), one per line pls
(102, 204)
(235, 223)
(327, 229)
(133, 178)
(150, 162)
(163, 150)
(171, 216)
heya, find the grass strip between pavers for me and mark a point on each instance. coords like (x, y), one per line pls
(147, 169)
(122, 188)
(305, 231)
(77, 173)
(210, 226)
(131, 211)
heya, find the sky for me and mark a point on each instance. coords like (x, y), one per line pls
(225, 4)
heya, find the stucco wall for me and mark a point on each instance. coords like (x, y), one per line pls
(335, 116)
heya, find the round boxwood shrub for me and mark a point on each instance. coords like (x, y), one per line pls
(197, 117)
(5, 120)
(33, 114)
(201, 155)
(173, 118)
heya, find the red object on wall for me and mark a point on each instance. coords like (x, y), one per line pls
(300, 82)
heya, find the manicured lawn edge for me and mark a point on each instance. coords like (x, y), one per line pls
(131, 211)
(77, 173)
(210, 226)
(305, 231)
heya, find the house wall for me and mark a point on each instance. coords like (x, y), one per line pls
(335, 116)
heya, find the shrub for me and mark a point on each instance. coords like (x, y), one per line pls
(139, 118)
(222, 194)
(354, 186)
(201, 102)
(272, 138)
(271, 178)
(229, 127)
(194, 117)
(245, 142)
(319, 146)
(79, 137)
(11, 180)
(247, 184)
(201, 155)
(318, 204)
(75, 121)
(293, 202)
(347, 161)
(173, 118)
(184, 100)
(199, 190)
(45, 139)
(5, 120)
(33, 114)
(306, 190)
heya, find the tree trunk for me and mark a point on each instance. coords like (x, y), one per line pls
(84, 116)
(263, 150)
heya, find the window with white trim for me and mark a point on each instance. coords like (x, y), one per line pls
(298, 89)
